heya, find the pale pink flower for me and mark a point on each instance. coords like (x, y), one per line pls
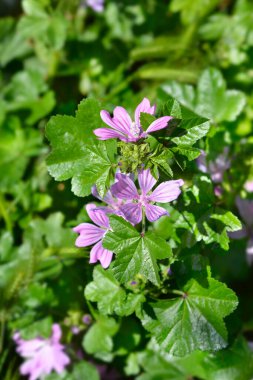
(96, 5)
(215, 168)
(90, 234)
(144, 201)
(122, 126)
(245, 207)
(42, 355)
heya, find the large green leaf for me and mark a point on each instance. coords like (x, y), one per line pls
(211, 98)
(193, 321)
(77, 154)
(136, 253)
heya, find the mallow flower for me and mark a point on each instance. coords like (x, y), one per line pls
(245, 208)
(96, 5)
(113, 204)
(122, 126)
(42, 355)
(90, 234)
(215, 168)
(143, 201)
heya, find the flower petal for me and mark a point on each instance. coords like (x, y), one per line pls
(166, 192)
(146, 181)
(56, 333)
(144, 106)
(154, 212)
(122, 120)
(98, 252)
(124, 188)
(107, 133)
(97, 215)
(245, 207)
(249, 251)
(132, 212)
(158, 124)
(89, 234)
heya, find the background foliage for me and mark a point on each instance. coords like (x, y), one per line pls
(195, 60)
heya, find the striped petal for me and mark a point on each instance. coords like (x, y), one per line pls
(89, 234)
(154, 212)
(132, 212)
(124, 188)
(166, 192)
(146, 181)
(97, 215)
(107, 133)
(158, 124)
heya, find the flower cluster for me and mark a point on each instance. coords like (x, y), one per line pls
(42, 355)
(124, 198)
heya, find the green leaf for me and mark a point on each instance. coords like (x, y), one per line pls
(214, 101)
(191, 12)
(211, 99)
(160, 159)
(231, 221)
(106, 291)
(83, 370)
(146, 119)
(41, 328)
(98, 340)
(136, 254)
(193, 321)
(188, 151)
(77, 154)
(194, 126)
(111, 298)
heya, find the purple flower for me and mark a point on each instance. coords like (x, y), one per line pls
(245, 207)
(215, 168)
(90, 234)
(42, 355)
(75, 330)
(96, 5)
(122, 126)
(114, 204)
(87, 319)
(126, 189)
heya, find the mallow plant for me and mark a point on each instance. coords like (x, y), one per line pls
(149, 227)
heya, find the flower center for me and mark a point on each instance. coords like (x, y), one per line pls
(134, 129)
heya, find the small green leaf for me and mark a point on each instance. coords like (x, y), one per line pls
(106, 291)
(146, 119)
(98, 340)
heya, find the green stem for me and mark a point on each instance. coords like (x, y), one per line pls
(143, 223)
(178, 292)
(2, 333)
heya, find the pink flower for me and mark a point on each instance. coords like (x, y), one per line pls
(42, 355)
(126, 189)
(215, 168)
(91, 234)
(114, 204)
(245, 207)
(249, 186)
(122, 126)
(96, 5)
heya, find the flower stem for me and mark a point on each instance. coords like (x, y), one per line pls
(143, 223)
